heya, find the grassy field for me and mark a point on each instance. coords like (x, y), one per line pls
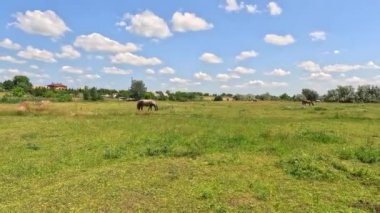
(191, 157)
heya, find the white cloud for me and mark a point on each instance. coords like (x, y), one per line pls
(146, 24)
(28, 74)
(233, 6)
(341, 68)
(116, 71)
(72, 70)
(210, 58)
(310, 66)
(279, 72)
(132, 59)
(167, 70)
(9, 44)
(318, 36)
(35, 67)
(226, 77)
(224, 86)
(68, 51)
(202, 76)
(243, 70)
(252, 8)
(356, 80)
(96, 42)
(37, 54)
(45, 23)
(320, 76)
(247, 54)
(91, 76)
(179, 80)
(150, 71)
(279, 40)
(274, 9)
(10, 59)
(183, 22)
(278, 84)
(256, 83)
(336, 52)
(372, 65)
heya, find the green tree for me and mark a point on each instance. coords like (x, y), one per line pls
(8, 85)
(18, 92)
(311, 95)
(137, 90)
(86, 94)
(218, 98)
(285, 97)
(22, 82)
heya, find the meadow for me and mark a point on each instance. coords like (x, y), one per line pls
(191, 157)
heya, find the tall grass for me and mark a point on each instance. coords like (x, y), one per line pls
(192, 157)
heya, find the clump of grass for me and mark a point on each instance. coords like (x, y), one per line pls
(205, 195)
(346, 154)
(320, 108)
(318, 136)
(260, 190)
(157, 151)
(368, 154)
(112, 153)
(360, 173)
(33, 146)
(365, 205)
(191, 151)
(305, 168)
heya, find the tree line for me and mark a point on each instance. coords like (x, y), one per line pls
(20, 88)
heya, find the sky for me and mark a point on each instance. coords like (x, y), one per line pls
(215, 46)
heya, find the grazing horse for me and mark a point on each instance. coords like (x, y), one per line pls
(146, 102)
(304, 102)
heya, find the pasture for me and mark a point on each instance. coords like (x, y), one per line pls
(191, 157)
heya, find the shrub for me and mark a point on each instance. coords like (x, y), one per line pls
(305, 168)
(368, 155)
(218, 98)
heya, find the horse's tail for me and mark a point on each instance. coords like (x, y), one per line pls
(155, 107)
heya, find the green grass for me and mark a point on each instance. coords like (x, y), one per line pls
(191, 157)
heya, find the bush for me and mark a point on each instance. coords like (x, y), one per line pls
(218, 98)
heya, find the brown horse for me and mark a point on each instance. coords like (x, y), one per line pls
(304, 102)
(146, 102)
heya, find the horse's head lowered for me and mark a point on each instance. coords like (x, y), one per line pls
(148, 103)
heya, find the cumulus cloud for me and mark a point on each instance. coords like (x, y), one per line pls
(179, 80)
(311, 66)
(243, 70)
(318, 36)
(68, 51)
(259, 83)
(72, 70)
(132, 59)
(91, 76)
(202, 76)
(150, 71)
(320, 76)
(278, 72)
(274, 8)
(146, 24)
(279, 40)
(37, 54)
(25, 73)
(96, 42)
(46, 23)
(10, 59)
(235, 6)
(167, 70)
(226, 77)
(116, 71)
(183, 22)
(247, 54)
(210, 58)
(9, 44)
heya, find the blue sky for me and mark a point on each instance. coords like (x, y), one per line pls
(209, 46)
